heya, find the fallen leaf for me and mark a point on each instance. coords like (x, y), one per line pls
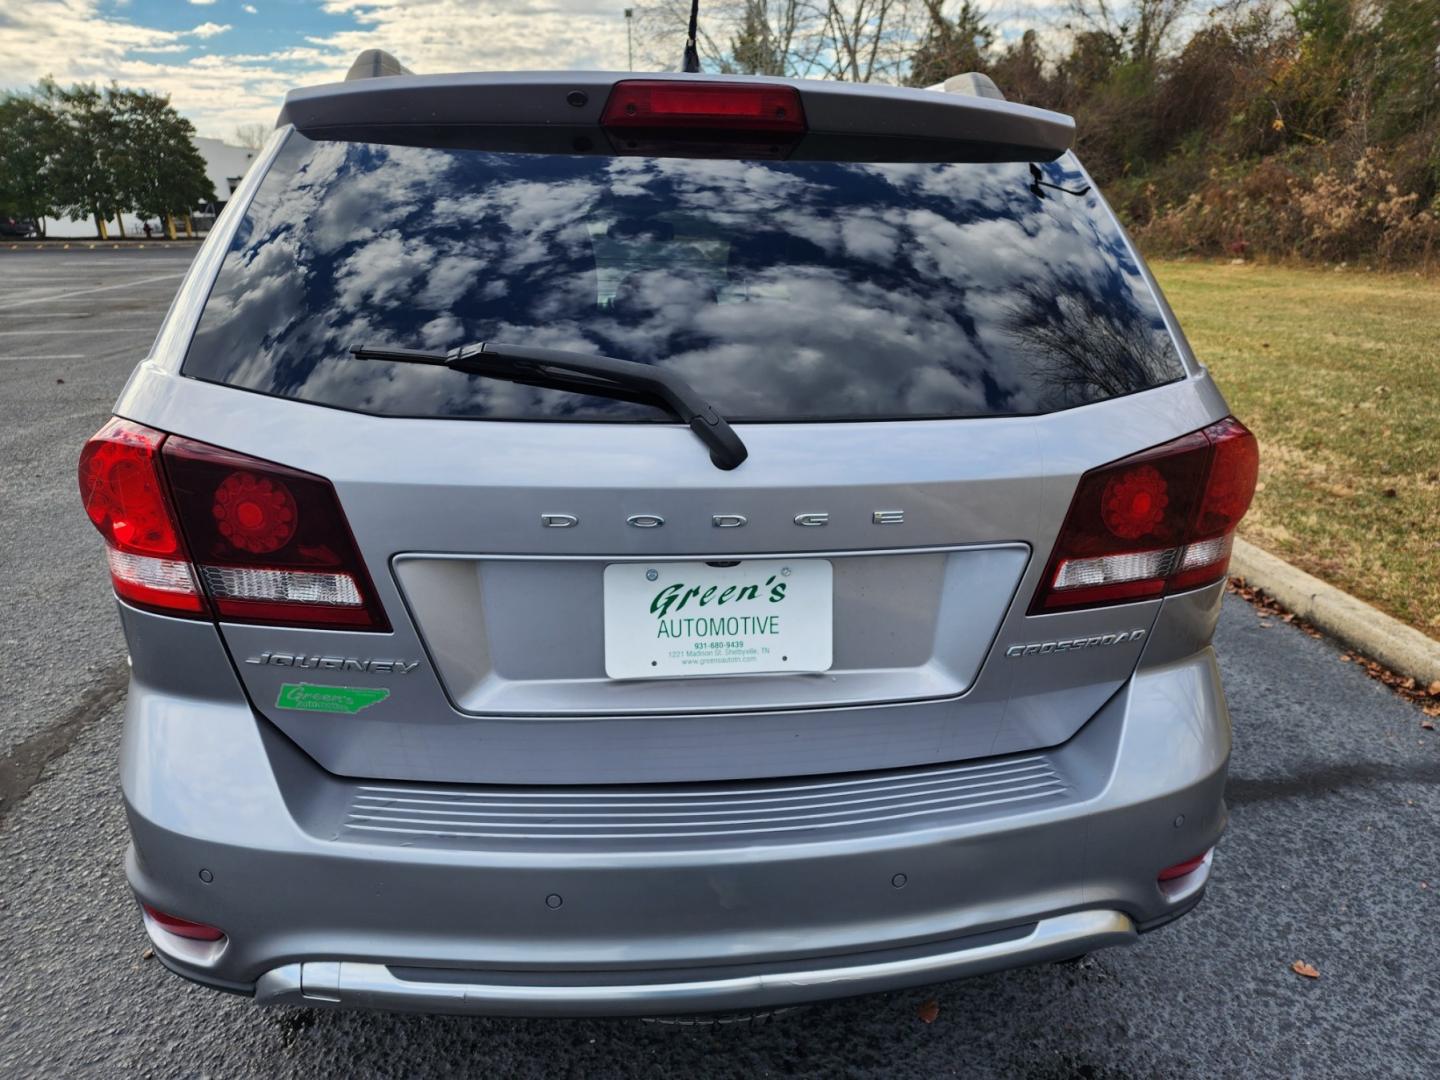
(1407, 687)
(1428, 724)
(1389, 493)
(148, 954)
(928, 1011)
(1300, 967)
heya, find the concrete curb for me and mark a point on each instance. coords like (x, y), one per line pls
(1363, 628)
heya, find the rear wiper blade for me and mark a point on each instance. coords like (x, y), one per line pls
(584, 373)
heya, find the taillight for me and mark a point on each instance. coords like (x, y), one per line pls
(270, 543)
(191, 529)
(1159, 521)
(739, 107)
(123, 491)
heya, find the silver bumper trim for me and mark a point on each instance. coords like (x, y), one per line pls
(355, 984)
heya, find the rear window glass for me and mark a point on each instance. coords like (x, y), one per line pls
(780, 290)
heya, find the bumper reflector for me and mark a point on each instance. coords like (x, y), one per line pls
(183, 927)
(1179, 870)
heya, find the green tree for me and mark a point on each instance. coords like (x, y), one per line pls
(1019, 71)
(159, 172)
(85, 165)
(755, 50)
(950, 46)
(27, 154)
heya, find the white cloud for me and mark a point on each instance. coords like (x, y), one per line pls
(77, 42)
(459, 35)
(84, 40)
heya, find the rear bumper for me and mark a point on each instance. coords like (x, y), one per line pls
(369, 985)
(320, 916)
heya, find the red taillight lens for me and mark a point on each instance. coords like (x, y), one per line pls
(124, 493)
(183, 927)
(271, 544)
(1159, 521)
(254, 513)
(739, 107)
(1179, 870)
(1134, 501)
(184, 523)
(1233, 473)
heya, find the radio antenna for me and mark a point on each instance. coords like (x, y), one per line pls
(692, 52)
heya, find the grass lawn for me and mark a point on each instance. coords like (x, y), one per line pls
(1338, 374)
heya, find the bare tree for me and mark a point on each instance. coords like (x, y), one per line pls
(1141, 27)
(251, 136)
(854, 40)
(861, 35)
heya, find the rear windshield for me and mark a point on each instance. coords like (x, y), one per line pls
(793, 291)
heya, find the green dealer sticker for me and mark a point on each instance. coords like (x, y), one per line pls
(305, 697)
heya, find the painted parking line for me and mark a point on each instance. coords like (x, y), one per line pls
(83, 275)
(52, 356)
(87, 292)
(66, 333)
(48, 315)
(109, 262)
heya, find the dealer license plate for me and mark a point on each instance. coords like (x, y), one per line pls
(668, 620)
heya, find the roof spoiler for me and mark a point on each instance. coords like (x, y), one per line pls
(993, 128)
(374, 64)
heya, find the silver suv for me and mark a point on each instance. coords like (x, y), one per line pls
(598, 545)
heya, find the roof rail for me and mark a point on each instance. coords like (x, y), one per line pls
(375, 63)
(971, 82)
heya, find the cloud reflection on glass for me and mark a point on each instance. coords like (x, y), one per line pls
(780, 290)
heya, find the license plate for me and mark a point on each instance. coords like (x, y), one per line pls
(664, 620)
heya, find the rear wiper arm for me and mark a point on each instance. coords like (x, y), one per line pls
(1038, 181)
(584, 373)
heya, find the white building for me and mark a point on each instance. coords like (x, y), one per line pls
(224, 164)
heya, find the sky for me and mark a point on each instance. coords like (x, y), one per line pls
(229, 62)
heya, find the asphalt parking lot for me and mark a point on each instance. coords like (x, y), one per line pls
(1333, 854)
